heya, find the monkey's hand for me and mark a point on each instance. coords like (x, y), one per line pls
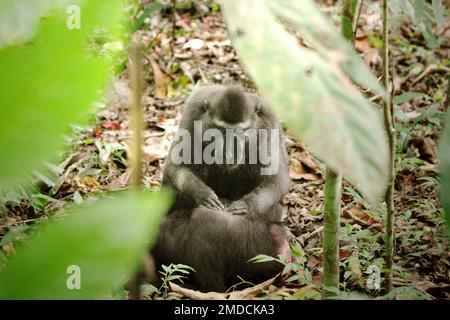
(238, 207)
(209, 199)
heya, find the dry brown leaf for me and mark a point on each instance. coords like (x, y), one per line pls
(297, 172)
(161, 79)
(372, 57)
(296, 167)
(429, 151)
(427, 148)
(121, 181)
(306, 159)
(362, 43)
(360, 216)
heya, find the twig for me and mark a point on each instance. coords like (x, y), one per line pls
(429, 69)
(310, 235)
(390, 131)
(358, 9)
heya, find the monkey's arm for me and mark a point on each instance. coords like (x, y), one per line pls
(268, 194)
(191, 188)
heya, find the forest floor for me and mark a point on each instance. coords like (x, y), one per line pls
(200, 52)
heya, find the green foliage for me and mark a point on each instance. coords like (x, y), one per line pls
(347, 28)
(295, 269)
(173, 272)
(425, 15)
(144, 14)
(312, 89)
(405, 293)
(445, 170)
(406, 96)
(48, 82)
(19, 18)
(105, 240)
(348, 14)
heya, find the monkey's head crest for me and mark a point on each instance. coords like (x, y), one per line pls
(233, 105)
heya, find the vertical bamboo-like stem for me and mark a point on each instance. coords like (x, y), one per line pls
(136, 116)
(390, 131)
(136, 126)
(331, 223)
(333, 183)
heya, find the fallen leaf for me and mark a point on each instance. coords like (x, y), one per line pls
(362, 217)
(297, 172)
(110, 124)
(429, 151)
(427, 148)
(98, 132)
(306, 159)
(161, 79)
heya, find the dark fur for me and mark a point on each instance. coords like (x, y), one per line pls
(218, 243)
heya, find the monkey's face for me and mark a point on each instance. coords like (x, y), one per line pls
(237, 115)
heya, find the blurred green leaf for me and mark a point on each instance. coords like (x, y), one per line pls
(430, 39)
(310, 88)
(19, 18)
(331, 46)
(105, 240)
(438, 10)
(424, 15)
(445, 170)
(49, 82)
(429, 113)
(406, 97)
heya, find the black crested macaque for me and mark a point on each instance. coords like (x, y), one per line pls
(228, 210)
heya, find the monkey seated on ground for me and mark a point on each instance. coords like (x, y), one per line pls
(228, 170)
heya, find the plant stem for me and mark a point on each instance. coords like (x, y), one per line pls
(333, 182)
(136, 126)
(331, 215)
(351, 10)
(136, 116)
(390, 131)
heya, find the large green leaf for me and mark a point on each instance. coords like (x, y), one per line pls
(19, 18)
(311, 88)
(445, 170)
(49, 82)
(105, 240)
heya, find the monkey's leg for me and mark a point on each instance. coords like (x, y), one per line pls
(191, 239)
(207, 248)
(249, 238)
